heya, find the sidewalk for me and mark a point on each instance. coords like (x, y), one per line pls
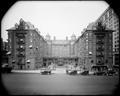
(56, 71)
(59, 71)
(25, 71)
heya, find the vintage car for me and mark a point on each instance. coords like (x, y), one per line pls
(99, 70)
(111, 72)
(100, 73)
(45, 71)
(85, 72)
(82, 70)
(71, 70)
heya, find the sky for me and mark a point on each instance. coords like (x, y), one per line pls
(56, 18)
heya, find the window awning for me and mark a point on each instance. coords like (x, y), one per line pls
(8, 53)
(28, 61)
(30, 46)
(90, 53)
(13, 60)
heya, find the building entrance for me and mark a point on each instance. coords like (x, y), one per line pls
(60, 61)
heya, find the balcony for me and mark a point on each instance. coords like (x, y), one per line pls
(99, 42)
(99, 63)
(99, 49)
(100, 55)
(21, 55)
(21, 49)
(100, 36)
(21, 42)
(20, 35)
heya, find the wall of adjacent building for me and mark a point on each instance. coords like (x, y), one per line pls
(110, 19)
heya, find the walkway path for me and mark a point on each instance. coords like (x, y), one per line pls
(59, 70)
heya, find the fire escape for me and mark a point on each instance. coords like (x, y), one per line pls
(100, 50)
(20, 35)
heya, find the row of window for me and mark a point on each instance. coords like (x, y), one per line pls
(107, 15)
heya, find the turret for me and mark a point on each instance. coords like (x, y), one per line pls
(47, 37)
(73, 37)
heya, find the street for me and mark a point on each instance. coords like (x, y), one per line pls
(58, 84)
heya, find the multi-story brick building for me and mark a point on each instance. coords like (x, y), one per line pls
(111, 21)
(26, 46)
(94, 47)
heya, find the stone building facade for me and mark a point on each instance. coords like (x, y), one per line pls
(60, 52)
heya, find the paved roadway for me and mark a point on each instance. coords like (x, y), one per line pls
(58, 84)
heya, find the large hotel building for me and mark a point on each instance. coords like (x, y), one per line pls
(98, 45)
(94, 47)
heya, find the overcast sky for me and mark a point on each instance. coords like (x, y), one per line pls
(60, 19)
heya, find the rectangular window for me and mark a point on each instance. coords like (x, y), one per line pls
(105, 16)
(110, 13)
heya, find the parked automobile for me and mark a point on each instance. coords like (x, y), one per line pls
(79, 71)
(91, 72)
(71, 70)
(99, 70)
(45, 71)
(100, 73)
(111, 72)
(6, 68)
(116, 69)
(85, 72)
